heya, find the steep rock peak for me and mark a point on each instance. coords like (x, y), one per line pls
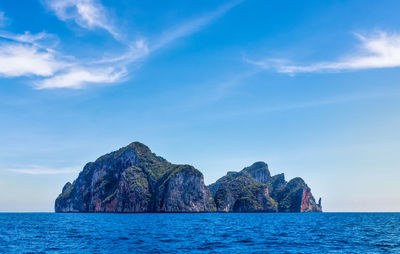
(133, 179)
(257, 165)
(259, 170)
(139, 148)
(125, 156)
(297, 182)
(279, 178)
(133, 150)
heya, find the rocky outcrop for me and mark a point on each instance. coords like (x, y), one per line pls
(183, 189)
(254, 190)
(133, 179)
(259, 171)
(296, 197)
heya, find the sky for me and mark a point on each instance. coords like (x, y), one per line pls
(310, 87)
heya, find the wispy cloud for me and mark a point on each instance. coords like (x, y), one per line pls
(142, 47)
(25, 37)
(379, 50)
(192, 26)
(317, 103)
(88, 14)
(137, 50)
(25, 60)
(36, 55)
(29, 55)
(38, 170)
(79, 77)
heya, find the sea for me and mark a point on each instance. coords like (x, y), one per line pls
(200, 233)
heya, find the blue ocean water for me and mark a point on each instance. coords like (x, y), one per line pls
(199, 233)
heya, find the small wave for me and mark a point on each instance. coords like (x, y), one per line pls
(123, 238)
(244, 241)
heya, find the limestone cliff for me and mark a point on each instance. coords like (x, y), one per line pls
(133, 179)
(254, 190)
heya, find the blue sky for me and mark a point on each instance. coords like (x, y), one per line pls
(312, 88)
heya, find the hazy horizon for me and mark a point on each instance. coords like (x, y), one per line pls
(310, 88)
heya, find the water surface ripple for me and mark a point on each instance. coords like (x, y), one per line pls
(199, 233)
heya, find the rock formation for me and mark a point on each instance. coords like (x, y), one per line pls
(133, 179)
(254, 190)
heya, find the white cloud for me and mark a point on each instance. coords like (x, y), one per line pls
(88, 14)
(38, 170)
(27, 55)
(380, 50)
(25, 60)
(137, 50)
(35, 55)
(79, 77)
(25, 37)
(141, 48)
(41, 40)
(192, 26)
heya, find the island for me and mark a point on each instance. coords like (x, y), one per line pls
(135, 180)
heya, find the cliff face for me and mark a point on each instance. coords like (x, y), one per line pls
(254, 190)
(183, 189)
(133, 179)
(296, 197)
